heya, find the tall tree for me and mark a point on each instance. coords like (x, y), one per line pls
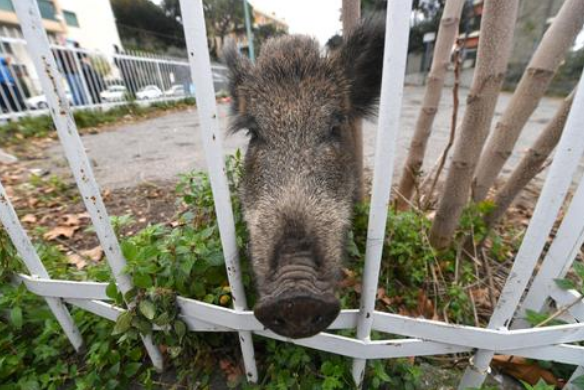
(224, 17)
(531, 163)
(447, 34)
(172, 9)
(146, 24)
(534, 83)
(493, 55)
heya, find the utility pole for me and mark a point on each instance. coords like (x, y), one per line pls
(249, 32)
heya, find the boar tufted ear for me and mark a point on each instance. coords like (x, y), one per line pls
(361, 57)
(239, 68)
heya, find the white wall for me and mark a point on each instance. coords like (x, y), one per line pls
(97, 27)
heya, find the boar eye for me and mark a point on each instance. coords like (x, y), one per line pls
(336, 132)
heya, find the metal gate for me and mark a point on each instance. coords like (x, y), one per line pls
(423, 337)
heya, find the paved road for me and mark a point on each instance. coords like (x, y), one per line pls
(161, 148)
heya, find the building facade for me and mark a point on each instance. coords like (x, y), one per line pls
(88, 23)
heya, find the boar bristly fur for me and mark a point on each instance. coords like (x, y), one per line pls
(298, 188)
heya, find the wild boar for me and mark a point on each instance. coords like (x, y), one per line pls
(298, 105)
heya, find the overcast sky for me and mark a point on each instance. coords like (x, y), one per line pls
(319, 18)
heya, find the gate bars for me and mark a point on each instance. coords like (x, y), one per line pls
(421, 337)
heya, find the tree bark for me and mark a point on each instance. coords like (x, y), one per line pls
(496, 36)
(351, 15)
(447, 34)
(543, 65)
(531, 163)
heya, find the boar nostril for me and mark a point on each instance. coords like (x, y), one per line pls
(298, 316)
(278, 322)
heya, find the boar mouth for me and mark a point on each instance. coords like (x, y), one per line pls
(297, 313)
(298, 304)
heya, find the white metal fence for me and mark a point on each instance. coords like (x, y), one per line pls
(421, 336)
(92, 80)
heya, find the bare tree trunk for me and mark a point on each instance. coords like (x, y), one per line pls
(351, 14)
(531, 163)
(447, 34)
(494, 49)
(543, 65)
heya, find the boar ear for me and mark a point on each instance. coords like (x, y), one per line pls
(361, 57)
(239, 68)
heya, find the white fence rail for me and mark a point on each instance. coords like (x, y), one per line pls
(92, 80)
(420, 337)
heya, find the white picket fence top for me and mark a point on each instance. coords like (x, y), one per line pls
(423, 337)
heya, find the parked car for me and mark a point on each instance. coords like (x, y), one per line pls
(149, 92)
(175, 91)
(114, 93)
(40, 102)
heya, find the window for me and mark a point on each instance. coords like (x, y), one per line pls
(6, 5)
(71, 18)
(48, 10)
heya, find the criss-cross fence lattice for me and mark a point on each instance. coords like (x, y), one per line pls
(421, 337)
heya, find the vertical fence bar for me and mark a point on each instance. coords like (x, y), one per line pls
(159, 73)
(394, 64)
(196, 38)
(565, 162)
(85, 100)
(6, 101)
(15, 103)
(35, 266)
(34, 32)
(558, 259)
(14, 74)
(128, 70)
(95, 79)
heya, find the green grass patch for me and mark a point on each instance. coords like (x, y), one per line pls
(42, 126)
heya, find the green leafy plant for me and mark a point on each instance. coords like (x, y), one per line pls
(540, 385)
(185, 258)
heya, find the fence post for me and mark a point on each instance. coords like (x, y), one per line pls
(558, 259)
(394, 65)
(36, 268)
(36, 37)
(87, 100)
(196, 38)
(564, 164)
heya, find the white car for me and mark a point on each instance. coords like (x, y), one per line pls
(114, 93)
(40, 102)
(175, 91)
(149, 92)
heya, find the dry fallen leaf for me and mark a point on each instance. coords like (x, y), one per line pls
(232, 371)
(481, 297)
(76, 260)
(60, 231)
(29, 218)
(71, 220)
(525, 370)
(94, 254)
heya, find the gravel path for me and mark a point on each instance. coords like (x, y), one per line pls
(161, 148)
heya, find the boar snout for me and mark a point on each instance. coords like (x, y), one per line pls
(297, 314)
